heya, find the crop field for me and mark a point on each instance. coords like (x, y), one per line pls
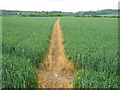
(24, 45)
(92, 45)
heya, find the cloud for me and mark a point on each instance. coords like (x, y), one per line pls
(59, 5)
(56, 0)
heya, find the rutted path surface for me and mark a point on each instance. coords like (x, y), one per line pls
(56, 71)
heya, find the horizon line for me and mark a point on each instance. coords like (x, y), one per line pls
(56, 10)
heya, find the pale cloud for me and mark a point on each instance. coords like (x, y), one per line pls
(58, 5)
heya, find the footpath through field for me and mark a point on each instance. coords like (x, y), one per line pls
(57, 70)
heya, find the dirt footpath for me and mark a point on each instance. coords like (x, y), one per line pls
(56, 71)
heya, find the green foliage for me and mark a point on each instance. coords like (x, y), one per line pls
(18, 72)
(92, 79)
(25, 41)
(42, 15)
(99, 12)
(92, 44)
(26, 37)
(113, 12)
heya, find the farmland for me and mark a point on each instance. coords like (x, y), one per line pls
(92, 45)
(24, 45)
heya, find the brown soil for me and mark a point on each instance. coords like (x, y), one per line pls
(56, 71)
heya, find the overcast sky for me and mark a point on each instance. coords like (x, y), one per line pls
(58, 5)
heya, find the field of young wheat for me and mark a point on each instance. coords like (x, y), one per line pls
(24, 44)
(91, 44)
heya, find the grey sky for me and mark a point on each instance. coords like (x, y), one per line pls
(58, 5)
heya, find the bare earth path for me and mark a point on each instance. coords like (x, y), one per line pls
(56, 71)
